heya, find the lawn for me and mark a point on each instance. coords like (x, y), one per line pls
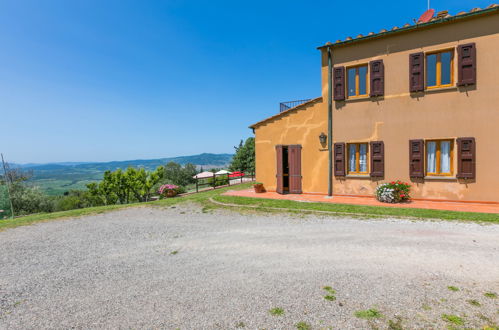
(362, 210)
(260, 204)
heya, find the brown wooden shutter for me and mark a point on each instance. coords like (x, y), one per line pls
(279, 170)
(294, 161)
(339, 83)
(377, 77)
(416, 72)
(339, 159)
(466, 158)
(416, 158)
(466, 64)
(377, 159)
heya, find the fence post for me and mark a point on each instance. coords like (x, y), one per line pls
(197, 189)
(228, 179)
(214, 181)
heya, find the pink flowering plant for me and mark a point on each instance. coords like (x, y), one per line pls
(164, 189)
(393, 192)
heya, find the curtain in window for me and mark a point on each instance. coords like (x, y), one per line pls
(445, 157)
(351, 158)
(363, 158)
(431, 157)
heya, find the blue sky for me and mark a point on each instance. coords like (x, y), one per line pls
(117, 80)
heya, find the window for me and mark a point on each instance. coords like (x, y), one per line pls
(357, 81)
(357, 158)
(439, 69)
(439, 157)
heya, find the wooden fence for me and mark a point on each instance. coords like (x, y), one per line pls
(223, 180)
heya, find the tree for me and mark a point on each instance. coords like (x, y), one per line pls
(178, 175)
(244, 158)
(124, 187)
(28, 200)
(25, 199)
(141, 182)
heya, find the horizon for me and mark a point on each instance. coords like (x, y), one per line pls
(96, 82)
(113, 161)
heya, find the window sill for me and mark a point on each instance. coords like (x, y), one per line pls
(436, 177)
(358, 176)
(357, 99)
(440, 89)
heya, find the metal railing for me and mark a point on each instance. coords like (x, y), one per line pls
(283, 106)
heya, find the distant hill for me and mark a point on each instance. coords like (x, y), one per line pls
(56, 178)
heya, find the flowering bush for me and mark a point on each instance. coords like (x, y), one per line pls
(170, 190)
(393, 192)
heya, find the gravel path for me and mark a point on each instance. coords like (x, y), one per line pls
(182, 268)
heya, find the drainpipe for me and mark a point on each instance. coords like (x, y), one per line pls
(330, 121)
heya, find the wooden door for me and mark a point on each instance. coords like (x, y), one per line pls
(294, 160)
(279, 169)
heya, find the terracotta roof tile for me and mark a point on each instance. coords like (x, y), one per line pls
(440, 16)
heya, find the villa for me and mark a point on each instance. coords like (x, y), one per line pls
(417, 103)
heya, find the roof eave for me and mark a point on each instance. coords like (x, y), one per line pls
(409, 28)
(255, 125)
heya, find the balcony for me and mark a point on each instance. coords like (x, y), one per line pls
(283, 106)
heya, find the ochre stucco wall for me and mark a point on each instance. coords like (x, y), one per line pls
(399, 116)
(303, 127)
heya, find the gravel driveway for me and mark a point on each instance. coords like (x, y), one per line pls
(182, 268)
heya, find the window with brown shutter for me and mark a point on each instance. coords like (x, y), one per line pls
(339, 159)
(466, 158)
(416, 72)
(339, 83)
(416, 158)
(377, 159)
(357, 155)
(439, 157)
(377, 76)
(466, 67)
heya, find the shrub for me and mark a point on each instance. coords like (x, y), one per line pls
(163, 190)
(28, 200)
(393, 192)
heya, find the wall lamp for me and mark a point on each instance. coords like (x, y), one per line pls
(323, 138)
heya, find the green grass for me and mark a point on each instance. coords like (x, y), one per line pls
(174, 252)
(277, 311)
(361, 210)
(202, 198)
(264, 205)
(454, 319)
(491, 295)
(331, 296)
(329, 289)
(303, 326)
(368, 314)
(395, 324)
(474, 302)
(453, 288)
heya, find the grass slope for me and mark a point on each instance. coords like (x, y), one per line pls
(360, 209)
(263, 205)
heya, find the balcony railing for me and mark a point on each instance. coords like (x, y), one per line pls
(283, 106)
